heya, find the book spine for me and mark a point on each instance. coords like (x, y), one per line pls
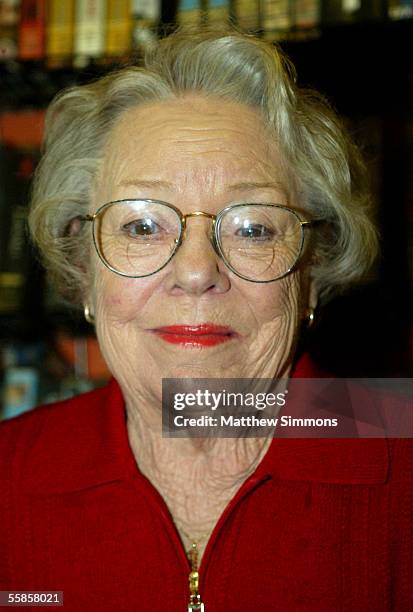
(247, 14)
(118, 27)
(89, 33)
(147, 10)
(350, 6)
(21, 387)
(146, 17)
(60, 28)
(189, 12)
(307, 13)
(276, 18)
(218, 12)
(32, 30)
(9, 22)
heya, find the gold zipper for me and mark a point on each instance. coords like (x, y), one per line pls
(195, 604)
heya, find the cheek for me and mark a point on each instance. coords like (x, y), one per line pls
(120, 299)
(278, 301)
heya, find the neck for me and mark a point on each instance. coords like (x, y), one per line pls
(196, 477)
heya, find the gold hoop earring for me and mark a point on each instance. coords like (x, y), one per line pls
(310, 318)
(88, 314)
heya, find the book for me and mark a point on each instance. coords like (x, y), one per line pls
(83, 355)
(32, 30)
(9, 21)
(146, 17)
(148, 10)
(22, 129)
(218, 12)
(118, 28)
(59, 30)
(306, 13)
(247, 15)
(189, 12)
(89, 31)
(276, 18)
(20, 391)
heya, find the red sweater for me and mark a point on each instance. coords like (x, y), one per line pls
(322, 525)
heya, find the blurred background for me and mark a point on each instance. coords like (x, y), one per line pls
(358, 53)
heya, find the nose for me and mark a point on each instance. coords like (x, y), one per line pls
(196, 268)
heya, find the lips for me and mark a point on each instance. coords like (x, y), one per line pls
(204, 335)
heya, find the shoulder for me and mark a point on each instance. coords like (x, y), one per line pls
(63, 413)
(55, 449)
(47, 435)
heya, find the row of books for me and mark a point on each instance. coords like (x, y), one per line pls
(274, 17)
(47, 371)
(79, 30)
(16, 169)
(40, 360)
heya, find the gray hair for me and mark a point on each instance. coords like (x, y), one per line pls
(325, 163)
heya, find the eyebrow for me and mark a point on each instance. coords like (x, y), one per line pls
(243, 186)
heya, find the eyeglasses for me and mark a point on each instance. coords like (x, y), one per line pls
(260, 243)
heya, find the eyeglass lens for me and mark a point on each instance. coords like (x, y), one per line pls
(137, 238)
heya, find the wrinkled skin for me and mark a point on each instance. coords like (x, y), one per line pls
(203, 148)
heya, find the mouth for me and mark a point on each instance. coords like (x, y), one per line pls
(204, 335)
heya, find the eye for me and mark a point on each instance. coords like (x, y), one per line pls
(141, 227)
(255, 231)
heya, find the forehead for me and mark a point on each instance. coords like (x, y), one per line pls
(193, 111)
(191, 149)
(192, 131)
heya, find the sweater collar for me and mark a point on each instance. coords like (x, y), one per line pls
(95, 448)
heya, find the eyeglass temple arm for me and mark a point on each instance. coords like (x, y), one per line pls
(312, 222)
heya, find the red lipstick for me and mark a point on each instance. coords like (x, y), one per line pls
(203, 335)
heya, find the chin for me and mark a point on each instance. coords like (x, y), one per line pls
(194, 370)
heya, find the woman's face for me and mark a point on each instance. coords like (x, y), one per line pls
(199, 155)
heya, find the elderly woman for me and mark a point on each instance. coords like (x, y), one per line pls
(180, 202)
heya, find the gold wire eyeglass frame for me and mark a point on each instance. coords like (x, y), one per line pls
(215, 239)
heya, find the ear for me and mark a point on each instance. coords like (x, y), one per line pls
(73, 227)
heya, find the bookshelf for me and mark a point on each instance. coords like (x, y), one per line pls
(358, 56)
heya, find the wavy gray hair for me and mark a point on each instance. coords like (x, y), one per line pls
(325, 163)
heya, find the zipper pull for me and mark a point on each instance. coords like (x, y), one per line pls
(195, 604)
